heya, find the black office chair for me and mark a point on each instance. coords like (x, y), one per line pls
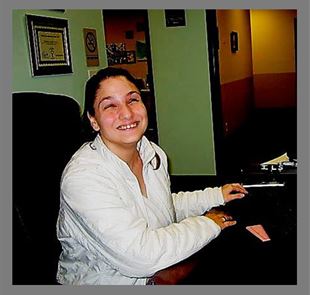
(46, 132)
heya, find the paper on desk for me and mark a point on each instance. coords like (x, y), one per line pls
(258, 231)
(280, 159)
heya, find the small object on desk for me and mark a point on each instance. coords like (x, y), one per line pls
(280, 159)
(279, 163)
(258, 231)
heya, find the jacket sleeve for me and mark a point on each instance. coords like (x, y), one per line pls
(197, 202)
(189, 204)
(100, 221)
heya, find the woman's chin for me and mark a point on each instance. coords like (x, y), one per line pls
(130, 137)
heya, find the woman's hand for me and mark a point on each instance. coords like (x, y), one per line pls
(221, 218)
(233, 191)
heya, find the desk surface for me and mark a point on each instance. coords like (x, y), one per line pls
(239, 258)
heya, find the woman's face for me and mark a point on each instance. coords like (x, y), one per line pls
(120, 115)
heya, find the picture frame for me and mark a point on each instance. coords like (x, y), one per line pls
(129, 34)
(175, 17)
(91, 47)
(130, 57)
(49, 45)
(116, 53)
(234, 42)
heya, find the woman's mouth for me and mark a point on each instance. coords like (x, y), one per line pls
(128, 126)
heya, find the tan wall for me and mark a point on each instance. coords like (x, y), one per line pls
(273, 58)
(273, 41)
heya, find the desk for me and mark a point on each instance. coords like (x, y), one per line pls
(236, 256)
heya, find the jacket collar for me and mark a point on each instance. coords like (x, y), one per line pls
(144, 146)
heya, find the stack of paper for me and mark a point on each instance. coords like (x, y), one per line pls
(278, 160)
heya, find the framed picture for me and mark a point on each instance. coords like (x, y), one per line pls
(116, 53)
(58, 10)
(175, 17)
(131, 57)
(49, 45)
(91, 47)
(234, 42)
(129, 34)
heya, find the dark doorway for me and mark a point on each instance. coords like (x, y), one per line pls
(127, 34)
(213, 47)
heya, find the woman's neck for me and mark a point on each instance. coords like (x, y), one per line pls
(127, 152)
(130, 156)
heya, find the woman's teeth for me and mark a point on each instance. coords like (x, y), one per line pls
(129, 126)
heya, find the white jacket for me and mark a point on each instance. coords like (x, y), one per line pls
(111, 234)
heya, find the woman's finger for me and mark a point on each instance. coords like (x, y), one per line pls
(229, 223)
(239, 187)
(226, 218)
(238, 196)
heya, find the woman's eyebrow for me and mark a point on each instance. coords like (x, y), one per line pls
(134, 91)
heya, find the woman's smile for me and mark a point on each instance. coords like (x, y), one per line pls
(128, 126)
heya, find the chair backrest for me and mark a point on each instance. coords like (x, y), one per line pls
(46, 132)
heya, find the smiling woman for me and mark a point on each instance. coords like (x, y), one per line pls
(119, 116)
(118, 221)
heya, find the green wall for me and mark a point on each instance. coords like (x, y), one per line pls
(181, 78)
(68, 84)
(182, 91)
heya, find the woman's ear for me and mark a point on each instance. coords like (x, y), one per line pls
(93, 122)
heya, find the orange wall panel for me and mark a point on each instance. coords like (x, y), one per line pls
(234, 66)
(275, 90)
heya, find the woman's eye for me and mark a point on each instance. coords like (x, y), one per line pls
(133, 99)
(109, 106)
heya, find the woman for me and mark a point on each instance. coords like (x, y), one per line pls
(118, 221)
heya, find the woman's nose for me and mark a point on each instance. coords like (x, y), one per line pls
(125, 112)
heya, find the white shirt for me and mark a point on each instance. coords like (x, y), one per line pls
(111, 234)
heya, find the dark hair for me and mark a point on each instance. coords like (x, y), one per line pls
(91, 88)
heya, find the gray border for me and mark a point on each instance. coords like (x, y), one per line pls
(6, 148)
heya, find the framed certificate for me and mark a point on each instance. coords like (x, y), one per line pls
(49, 46)
(175, 18)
